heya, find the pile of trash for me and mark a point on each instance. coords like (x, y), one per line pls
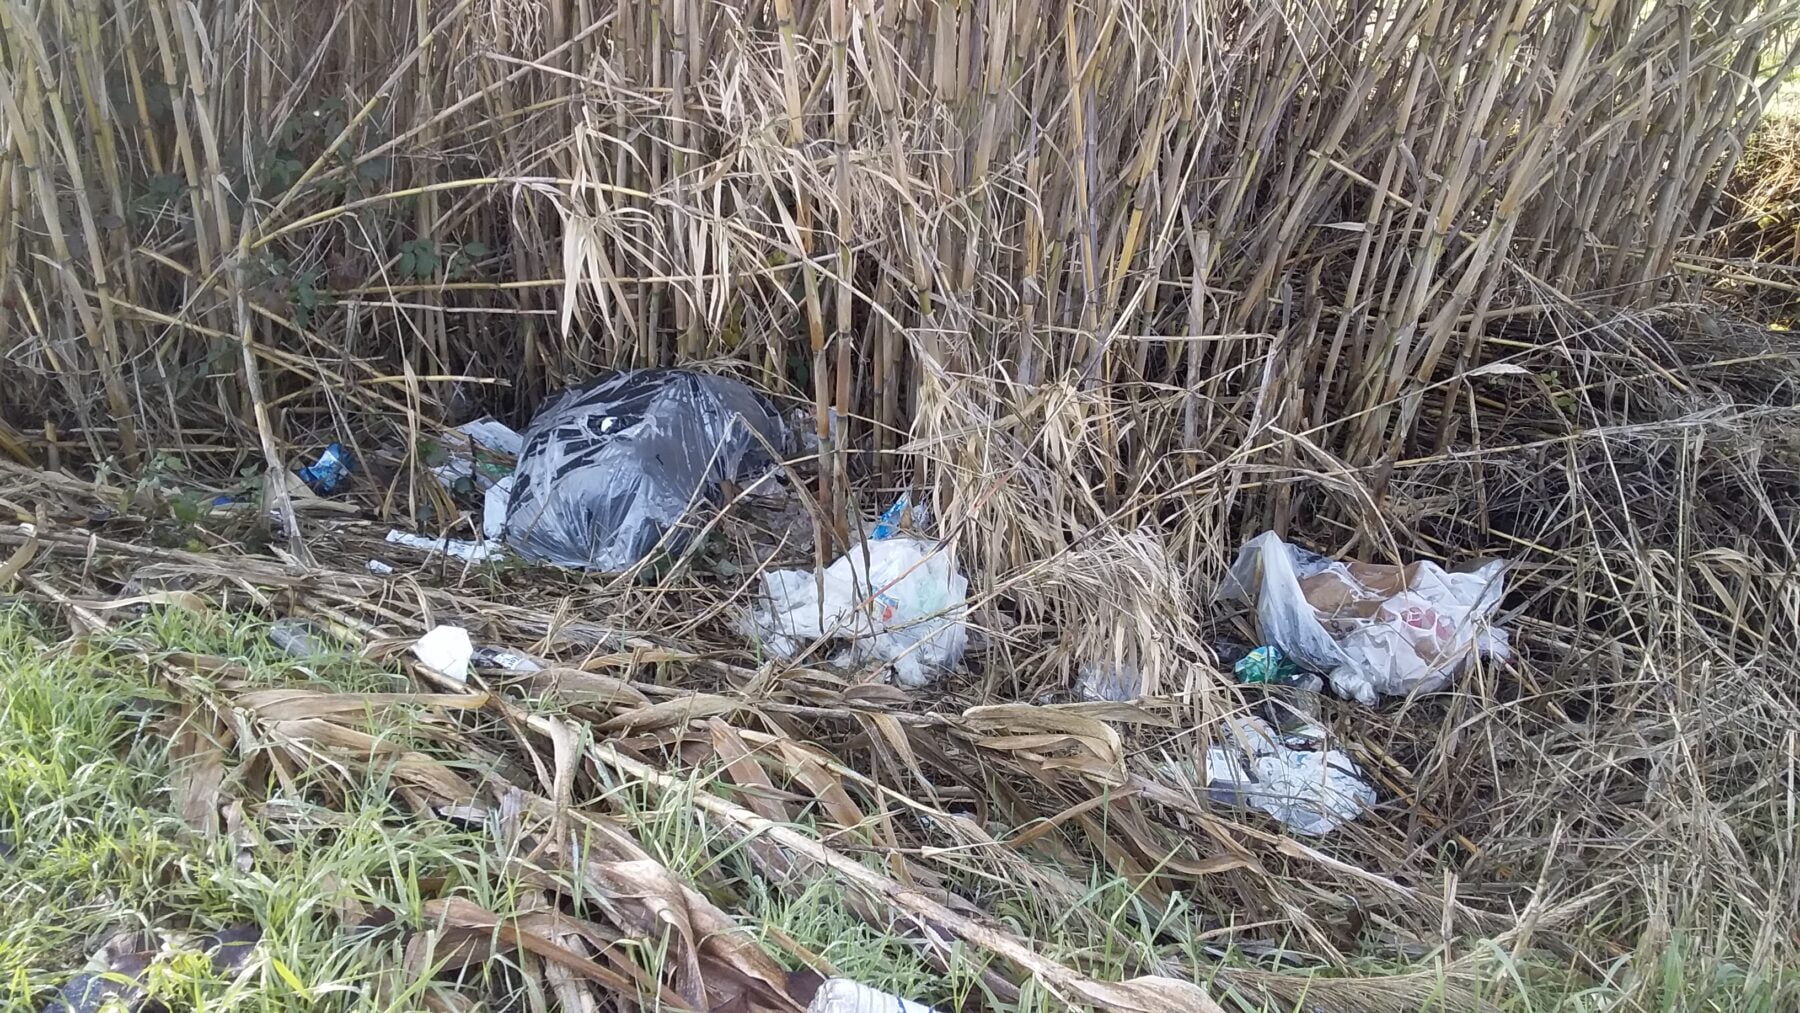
(895, 599)
(1367, 630)
(605, 474)
(1371, 630)
(1292, 777)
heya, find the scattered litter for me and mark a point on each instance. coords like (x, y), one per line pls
(841, 995)
(299, 495)
(487, 656)
(381, 568)
(1371, 629)
(300, 638)
(898, 516)
(328, 473)
(493, 509)
(447, 651)
(483, 461)
(491, 434)
(906, 606)
(1104, 680)
(1310, 791)
(1266, 665)
(474, 552)
(483, 456)
(608, 469)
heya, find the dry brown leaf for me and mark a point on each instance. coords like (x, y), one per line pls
(745, 772)
(299, 704)
(671, 713)
(875, 694)
(1045, 826)
(459, 913)
(348, 744)
(1089, 766)
(641, 656)
(713, 944)
(422, 771)
(1121, 712)
(566, 756)
(1150, 994)
(1213, 866)
(199, 768)
(1026, 720)
(330, 734)
(1142, 994)
(573, 994)
(824, 785)
(206, 664)
(180, 599)
(21, 557)
(894, 734)
(666, 902)
(572, 686)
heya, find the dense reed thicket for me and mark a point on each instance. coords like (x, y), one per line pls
(1304, 215)
(1118, 281)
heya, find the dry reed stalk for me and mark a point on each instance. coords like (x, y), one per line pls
(1090, 275)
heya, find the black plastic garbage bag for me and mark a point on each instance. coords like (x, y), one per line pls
(608, 469)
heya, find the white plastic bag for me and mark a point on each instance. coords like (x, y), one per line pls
(841, 995)
(1310, 791)
(1373, 630)
(906, 607)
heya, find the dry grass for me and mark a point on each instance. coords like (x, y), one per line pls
(1115, 284)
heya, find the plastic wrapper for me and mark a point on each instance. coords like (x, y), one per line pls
(1109, 681)
(607, 470)
(906, 606)
(841, 995)
(329, 473)
(480, 453)
(1373, 630)
(1311, 791)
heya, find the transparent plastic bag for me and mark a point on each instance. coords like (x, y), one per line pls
(907, 607)
(607, 470)
(1311, 791)
(1373, 630)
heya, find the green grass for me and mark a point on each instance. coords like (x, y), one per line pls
(85, 804)
(84, 792)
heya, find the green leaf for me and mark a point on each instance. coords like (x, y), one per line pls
(475, 251)
(186, 508)
(292, 979)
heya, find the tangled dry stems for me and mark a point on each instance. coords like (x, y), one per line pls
(1116, 285)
